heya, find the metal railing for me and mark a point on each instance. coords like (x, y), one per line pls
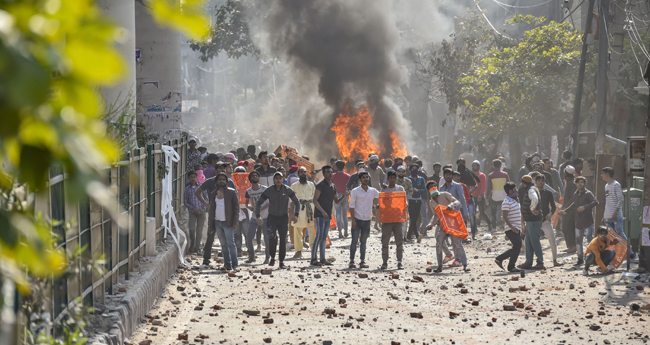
(138, 192)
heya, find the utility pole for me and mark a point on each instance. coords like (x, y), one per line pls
(603, 58)
(644, 253)
(577, 103)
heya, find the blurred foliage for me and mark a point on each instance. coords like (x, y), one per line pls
(230, 33)
(54, 55)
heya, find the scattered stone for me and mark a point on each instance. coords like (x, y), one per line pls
(474, 303)
(509, 308)
(363, 275)
(463, 291)
(267, 272)
(419, 315)
(452, 314)
(180, 288)
(145, 342)
(342, 301)
(183, 336)
(594, 327)
(267, 340)
(347, 324)
(429, 269)
(330, 311)
(268, 321)
(232, 274)
(252, 312)
(639, 287)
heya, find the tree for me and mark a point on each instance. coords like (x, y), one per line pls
(53, 57)
(527, 85)
(230, 33)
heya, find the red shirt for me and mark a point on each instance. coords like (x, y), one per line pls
(340, 179)
(466, 191)
(480, 189)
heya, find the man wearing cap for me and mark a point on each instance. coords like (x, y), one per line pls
(445, 199)
(531, 214)
(415, 202)
(193, 155)
(304, 190)
(377, 176)
(293, 175)
(568, 220)
(229, 158)
(277, 223)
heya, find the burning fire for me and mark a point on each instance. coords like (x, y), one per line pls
(353, 138)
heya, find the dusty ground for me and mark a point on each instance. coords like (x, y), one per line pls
(556, 306)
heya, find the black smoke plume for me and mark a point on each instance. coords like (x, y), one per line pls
(349, 45)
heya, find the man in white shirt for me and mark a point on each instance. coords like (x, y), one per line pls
(613, 217)
(361, 204)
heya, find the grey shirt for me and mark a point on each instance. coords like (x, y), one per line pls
(278, 201)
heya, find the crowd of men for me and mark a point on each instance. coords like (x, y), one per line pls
(289, 206)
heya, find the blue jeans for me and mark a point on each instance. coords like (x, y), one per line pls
(363, 229)
(533, 244)
(424, 215)
(322, 229)
(472, 216)
(227, 239)
(580, 234)
(341, 213)
(606, 256)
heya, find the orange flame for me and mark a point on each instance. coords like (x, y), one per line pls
(353, 138)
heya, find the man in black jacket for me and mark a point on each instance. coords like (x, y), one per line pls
(531, 214)
(581, 206)
(548, 209)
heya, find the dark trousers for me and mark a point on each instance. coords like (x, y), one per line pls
(495, 206)
(277, 227)
(606, 256)
(569, 230)
(414, 216)
(480, 211)
(513, 252)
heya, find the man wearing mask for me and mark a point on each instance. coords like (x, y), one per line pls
(415, 202)
(398, 161)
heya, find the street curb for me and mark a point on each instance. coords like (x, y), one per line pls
(140, 297)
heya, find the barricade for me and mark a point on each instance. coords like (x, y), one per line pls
(620, 248)
(452, 222)
(392, 207)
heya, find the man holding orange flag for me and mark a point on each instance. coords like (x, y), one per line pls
(446, 200)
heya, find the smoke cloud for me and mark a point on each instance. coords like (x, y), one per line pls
(344, 48)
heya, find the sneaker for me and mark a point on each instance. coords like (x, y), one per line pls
(420, 237)
(352, 265)
(585, 272)
(345, 233)
(259, 248)
(305, 244)
(298, 255)
(539, 266)
(272, 262)
(326, 263)
(579, 263)
(315, 262)
(206, 263)
(456, 263)
(399, 266)
(499, 263)
(266, 261)
(514, 270)
(282, 266)
(250, 260)
(525, 266)
(447, 258)
(384, 266)
(362, 264)
(599, 270)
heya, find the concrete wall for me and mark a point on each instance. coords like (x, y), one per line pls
(158, 76)
(120, 99)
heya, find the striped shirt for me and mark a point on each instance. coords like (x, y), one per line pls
(613, 199)
(514, 211)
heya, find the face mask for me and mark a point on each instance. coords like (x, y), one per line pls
(373, 165)
(414, 173)
(514, 195)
